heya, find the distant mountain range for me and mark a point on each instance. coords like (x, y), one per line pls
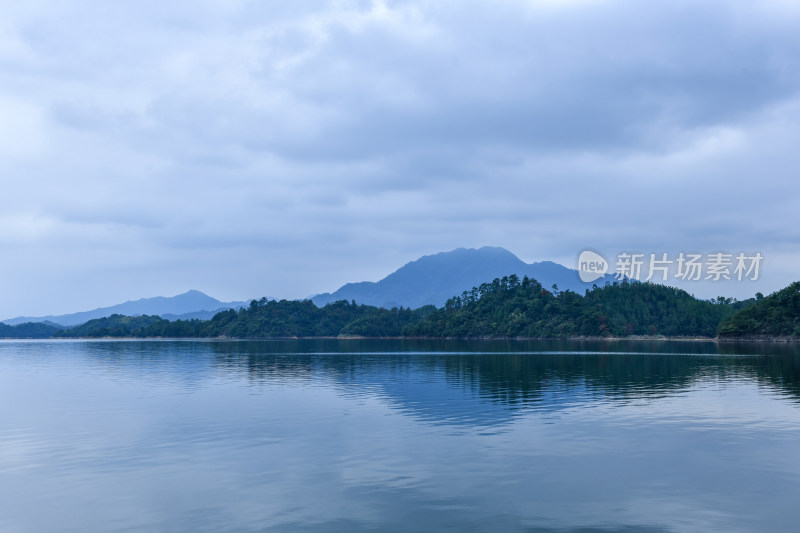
(433, 279)
(191, 304)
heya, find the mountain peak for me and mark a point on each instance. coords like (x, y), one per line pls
(432, 279)
(194, 292)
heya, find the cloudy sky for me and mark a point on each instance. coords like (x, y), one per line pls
(285, 148)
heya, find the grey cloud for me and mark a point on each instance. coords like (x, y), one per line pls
(558, 88)
(569, 81)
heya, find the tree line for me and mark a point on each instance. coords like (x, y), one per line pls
(505, 307)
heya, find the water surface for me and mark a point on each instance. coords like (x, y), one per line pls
(368, 435)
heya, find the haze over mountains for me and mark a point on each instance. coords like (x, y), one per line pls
(191, 304)
(433, 279)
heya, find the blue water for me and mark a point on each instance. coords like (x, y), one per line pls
(398, 436)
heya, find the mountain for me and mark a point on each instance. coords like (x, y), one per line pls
(433, 279)
(505, 307)
(191, 304)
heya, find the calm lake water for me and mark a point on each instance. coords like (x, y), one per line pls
(398, 436)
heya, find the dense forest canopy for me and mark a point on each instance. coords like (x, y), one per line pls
(510, 307)
(777, 315)
(28, 330)
(264, 319)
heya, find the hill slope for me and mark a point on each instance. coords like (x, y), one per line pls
(432, 279)
(511, 307)
(777, 315)
(28, 330)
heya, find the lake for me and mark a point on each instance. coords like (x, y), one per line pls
(389, 435)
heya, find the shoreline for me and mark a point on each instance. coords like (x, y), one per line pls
(635, 338)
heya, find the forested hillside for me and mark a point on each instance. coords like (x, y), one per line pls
(777, 315)
(510, 307)
(263, 319)
(506, 307)
(28, 330)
